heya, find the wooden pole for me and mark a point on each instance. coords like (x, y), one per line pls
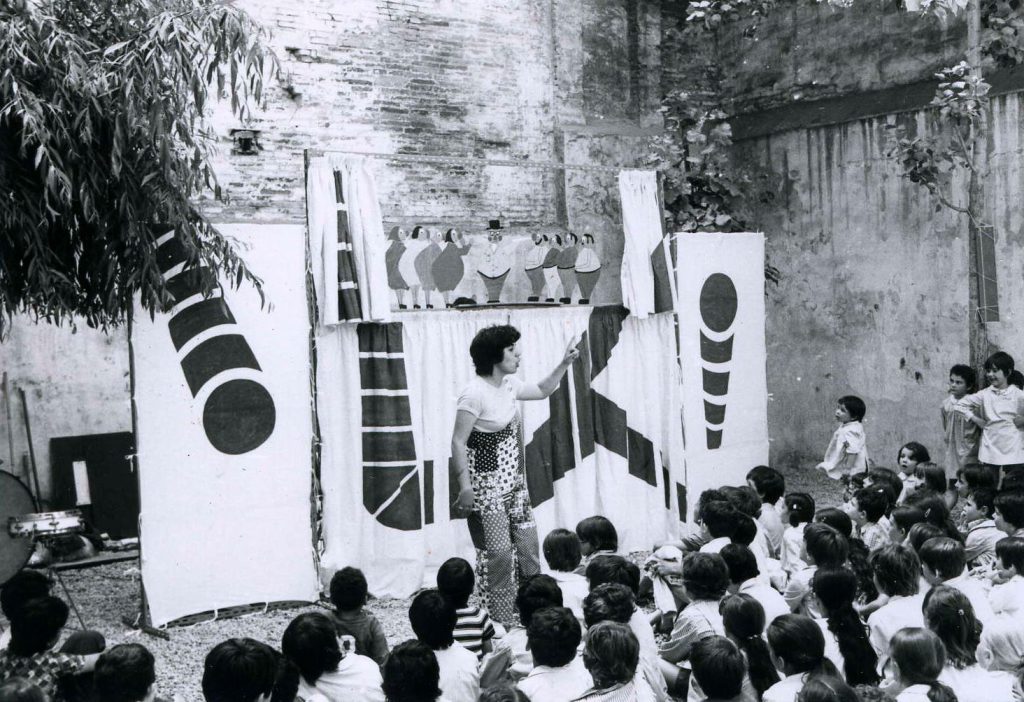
(31, 450)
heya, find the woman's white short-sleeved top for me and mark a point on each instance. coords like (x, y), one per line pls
(493, 407)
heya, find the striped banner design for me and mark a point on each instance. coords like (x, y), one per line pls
(348, 286)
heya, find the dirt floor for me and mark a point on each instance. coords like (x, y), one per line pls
(108, 593)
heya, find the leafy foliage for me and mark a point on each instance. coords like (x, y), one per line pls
(104, 146)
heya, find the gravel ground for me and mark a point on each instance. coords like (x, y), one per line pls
(107, 594)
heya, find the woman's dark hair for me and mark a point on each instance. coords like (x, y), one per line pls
(897, 570)
(36, 625)
(836, 590)
(977, 477)
(537, 592)
(553, 634)
(800, 506)
(906, 516)
(835, 518)
(798, 641)
(1000, 360)
(455, 580)
(745, 531)
(854, 405)
(741, 562)
(611, 654)
(348, 589)
(949, 614)
(769, 483)
(967, 374)
(743, 618)
(1010, 552)
(241, 670)
(411, 673)
(825, 545)
(718, 667)
(599, 532)
(705, 576)
(918, 452)
(22, 690)
(613, 569)
(608, 602)
(921, 532)
(920, 655)
(124, 673)
(827, 689)
(433, 619)
(311, 643)
(488, 346)
(943, 555)
(562, 550)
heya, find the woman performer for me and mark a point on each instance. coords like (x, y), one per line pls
(487, 447)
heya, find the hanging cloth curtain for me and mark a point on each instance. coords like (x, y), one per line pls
(347, 241)
(647, 285)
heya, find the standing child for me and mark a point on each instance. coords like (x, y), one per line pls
(349, 593)
(473, 627)
(847, 452)
(997, 409)
(960, 435)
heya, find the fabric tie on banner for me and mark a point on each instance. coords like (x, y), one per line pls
(647, 283)
(347, 241)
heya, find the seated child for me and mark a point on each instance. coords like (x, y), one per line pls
(562, 552)
(20, 588)
(824, 547)
(616, 569)
(770, 486)
(433, 622)
(743, 578)
(1009, 512)
(798, 650)
(311, 643)
(720, 520)
(901, 519)
(558, 674)
(1001, 648)
(597, 538)
(719, 669)
(1008, 597)
(887, 479)
(929, 481)
(944, 563)
(919, 658)
(847, 452)
(411, 674)
(846, 640)
(35, 630)
(611, 655)
(349, 593)
(797, 513)
(969, 479)
(747, 503)
(744, 621)
(473, 629)
(125, 673)
(870, 505)
(910, 456)
(239, 670)
(511, 661)
(898, 577)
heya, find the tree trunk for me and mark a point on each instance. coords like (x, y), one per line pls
(979, 305)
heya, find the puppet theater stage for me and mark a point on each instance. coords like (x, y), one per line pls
(278, 443)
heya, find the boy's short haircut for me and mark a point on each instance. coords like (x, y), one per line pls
(745, 532)
(20, 588)
(37, 624)
(967, 374)
(835, 518)
(897, 570)
(348, 589)
(744, 499)
(770, 483)
(611, 653)
(826, 545)
(554, 634)
(310, 641)
(455, 580)
(718, 666)
(1000, 360)
(1010, 552)
(433, 619)
(562, 550)
(801, 508)
(741, 562)
(609, 602)
(984, 498)
(1010, 504)
(720, 518)
(411, 673)
(239, 670)
(599, 532)
(705, 576)
(873, 502)
(124, 673)
(943, 555)
(537, 592)
(613, 569)
(977, 477)
(854, 405)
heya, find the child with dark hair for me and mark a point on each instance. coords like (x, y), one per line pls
(871, 693)
(411, 674)
(1009, 512)
(847, 452)
(125, 673)
(473, 627)
(720, 519)
(743, 579)
(824, 547)
(798, 650)
(901, 519)
(744, 622)
(797, 513)
(23, 586)
(897, 576)
(349, 595)
(719, 669)
(919, 658)
(770, 486)
(503, 693)
(827, 689)
(980, 531)
(846, 640)
(960, 435)
(21, 690)
(433, 621)
(837, 519)
(936, 512)
(598, 537)
(921, 532)
(35, 630)
(911, 455)
(929, 481)
(867, 596)
(889, 480)
(511, 657)
(944, 563)
(746, 501)
(1008, 597)
(554, 634)
(561, 550)
(611, 654)
(310, 641)
(870, 505)
(241, 670)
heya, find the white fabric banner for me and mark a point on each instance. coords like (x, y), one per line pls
(720, 279)
(224, 436)
(646, 262)
(608, 445)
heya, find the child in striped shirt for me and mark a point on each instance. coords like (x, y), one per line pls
(473, 628)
